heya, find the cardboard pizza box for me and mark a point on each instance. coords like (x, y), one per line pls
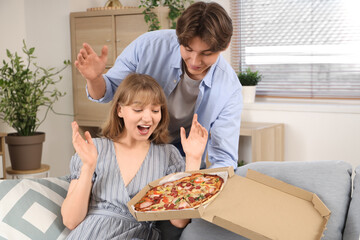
(257, 206)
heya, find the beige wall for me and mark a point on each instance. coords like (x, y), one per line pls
(44, 24)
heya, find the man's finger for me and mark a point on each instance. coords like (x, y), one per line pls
(104, 53)
(88, 49)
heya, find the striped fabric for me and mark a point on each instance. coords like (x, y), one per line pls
(109, 217)
(30, 209)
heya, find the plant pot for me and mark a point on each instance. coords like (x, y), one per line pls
(25, 151)
(248, 93)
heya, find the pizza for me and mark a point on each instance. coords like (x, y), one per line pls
(186, 192)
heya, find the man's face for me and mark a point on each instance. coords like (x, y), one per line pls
(198, 58)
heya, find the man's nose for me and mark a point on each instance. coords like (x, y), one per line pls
(195, 59)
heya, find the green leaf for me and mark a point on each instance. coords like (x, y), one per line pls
(26, 87)
(31, 51)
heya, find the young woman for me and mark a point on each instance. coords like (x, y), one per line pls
(107, 172)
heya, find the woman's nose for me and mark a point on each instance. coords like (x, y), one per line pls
(146, 115)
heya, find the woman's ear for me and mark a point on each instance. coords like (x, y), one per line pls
(119, 112)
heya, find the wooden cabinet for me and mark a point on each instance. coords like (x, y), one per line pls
(114, 28)
(267, 140)
(2, 156)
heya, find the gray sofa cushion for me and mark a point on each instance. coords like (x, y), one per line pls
(200, 229)
(330, 180)
(352, 227)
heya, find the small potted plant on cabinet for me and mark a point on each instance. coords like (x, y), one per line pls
(249, 79)
(176, 7)
(22, 92)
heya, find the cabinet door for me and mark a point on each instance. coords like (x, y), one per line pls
(96, 31)
(128, 28)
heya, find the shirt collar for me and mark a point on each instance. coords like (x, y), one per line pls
(209, 75)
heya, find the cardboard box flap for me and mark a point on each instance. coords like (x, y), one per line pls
(238, 229)
(280, 185)
(278, 210)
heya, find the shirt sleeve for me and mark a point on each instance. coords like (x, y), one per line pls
(224, 137)
(75, 166)
(176, 161)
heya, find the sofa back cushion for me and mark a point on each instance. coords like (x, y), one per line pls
(352, 227)
(330, 180)
(30, 208)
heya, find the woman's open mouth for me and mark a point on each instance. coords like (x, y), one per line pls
(143, 129)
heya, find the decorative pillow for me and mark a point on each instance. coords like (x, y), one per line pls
(30, 208)
(330, 180)
(352, 228)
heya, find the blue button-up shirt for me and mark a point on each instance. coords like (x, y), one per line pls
(219, 102)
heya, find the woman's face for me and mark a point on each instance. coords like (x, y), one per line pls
(198, 58)
(140, 121)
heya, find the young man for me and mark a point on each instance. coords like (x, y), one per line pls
(188, 65)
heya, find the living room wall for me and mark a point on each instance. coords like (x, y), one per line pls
(313, 130)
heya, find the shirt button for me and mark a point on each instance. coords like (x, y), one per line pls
(175, 81)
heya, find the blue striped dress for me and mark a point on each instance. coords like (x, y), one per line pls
(108, 216)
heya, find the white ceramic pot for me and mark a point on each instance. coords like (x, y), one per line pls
(249, 93)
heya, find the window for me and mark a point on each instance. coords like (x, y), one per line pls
(302, 48)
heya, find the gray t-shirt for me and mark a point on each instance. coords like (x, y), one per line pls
(181, 105)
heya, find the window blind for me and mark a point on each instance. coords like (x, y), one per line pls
(302, 48)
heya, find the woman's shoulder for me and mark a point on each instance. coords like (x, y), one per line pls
(102, 143)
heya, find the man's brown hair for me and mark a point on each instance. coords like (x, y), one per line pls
(209, 21)
(144, 89)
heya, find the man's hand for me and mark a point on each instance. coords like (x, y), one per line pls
(89, 64)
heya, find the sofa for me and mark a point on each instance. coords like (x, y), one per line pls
(30, 208)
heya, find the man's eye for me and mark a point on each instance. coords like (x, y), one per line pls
(207, 54)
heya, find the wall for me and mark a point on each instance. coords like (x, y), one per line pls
(44, 24)
(315, 130)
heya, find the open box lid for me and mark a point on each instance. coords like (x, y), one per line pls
(257, 206)
(261, 207)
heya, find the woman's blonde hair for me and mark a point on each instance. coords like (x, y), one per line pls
(137, 87)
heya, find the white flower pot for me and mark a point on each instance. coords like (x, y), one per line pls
(249, 93)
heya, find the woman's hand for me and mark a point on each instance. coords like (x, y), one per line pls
(85, 149)
(194, 145)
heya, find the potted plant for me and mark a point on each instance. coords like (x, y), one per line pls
(249, 79)
(25, 87)
(176, 7)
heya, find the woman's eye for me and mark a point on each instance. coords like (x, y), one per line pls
(156, 111)
(137, 110)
